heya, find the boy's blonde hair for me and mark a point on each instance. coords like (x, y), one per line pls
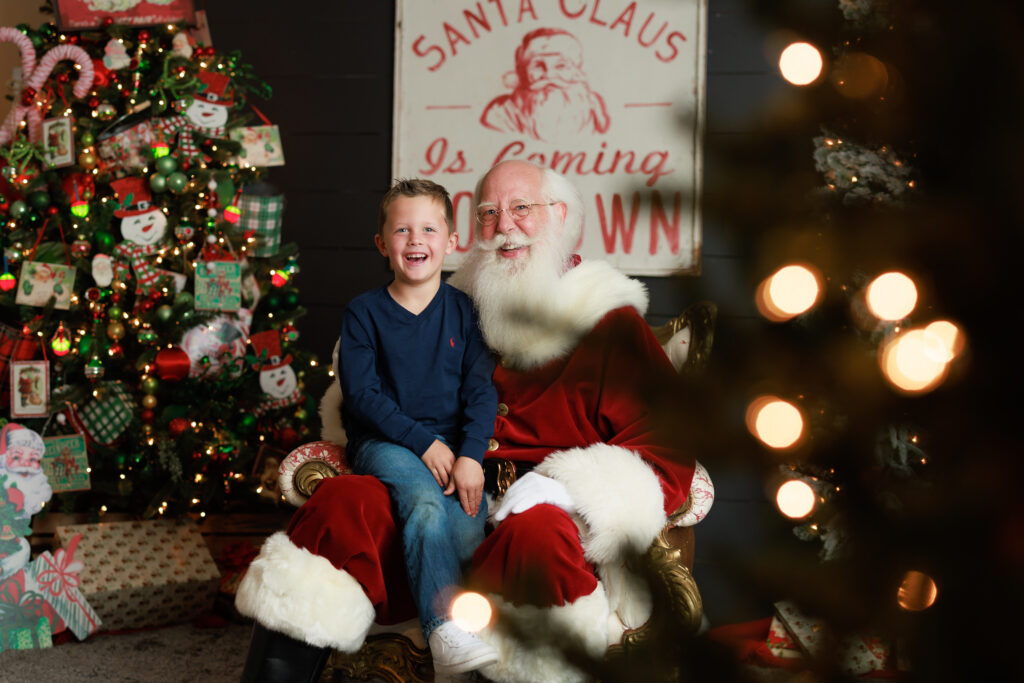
(416, 187)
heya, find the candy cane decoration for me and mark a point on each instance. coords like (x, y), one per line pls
(28, 65)
(36, 81)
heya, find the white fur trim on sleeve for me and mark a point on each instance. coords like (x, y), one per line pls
(585, 620)
(616, 493)
(290, 590)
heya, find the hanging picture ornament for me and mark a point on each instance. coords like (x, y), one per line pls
(61, 341)
(184, 232)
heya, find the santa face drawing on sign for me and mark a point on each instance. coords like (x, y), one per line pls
(551, 98)
(142, 222)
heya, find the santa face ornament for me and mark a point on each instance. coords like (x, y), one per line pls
(278, 382)
(207, 114)
(144, 228)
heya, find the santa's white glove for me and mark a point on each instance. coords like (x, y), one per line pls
(533, 489)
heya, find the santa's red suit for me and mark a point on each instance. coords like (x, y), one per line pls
(574, 398)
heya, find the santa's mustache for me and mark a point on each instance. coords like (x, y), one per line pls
(505, 242)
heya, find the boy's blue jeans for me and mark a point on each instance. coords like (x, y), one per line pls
(438, 537)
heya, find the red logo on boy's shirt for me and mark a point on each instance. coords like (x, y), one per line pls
(451, 342)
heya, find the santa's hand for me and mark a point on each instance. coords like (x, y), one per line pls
(533, 489)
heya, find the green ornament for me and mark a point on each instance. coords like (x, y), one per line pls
(187, 315)
(147, 336)
(114, 312)
(103, 240)
(246, 422)
(157, 182)
(167, 165)
(18, 208)
(87, 139)
(37, 40)
(273, 301)
(164, 313)
(290, 299)
(177, 180)
(33, 219)
(183, 299)
(120, 459)
(144, 65)
(40, 199)
(150, 385)
(84, 344)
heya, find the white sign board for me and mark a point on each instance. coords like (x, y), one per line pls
(608, 92)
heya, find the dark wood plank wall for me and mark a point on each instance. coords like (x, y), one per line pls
(330, 64)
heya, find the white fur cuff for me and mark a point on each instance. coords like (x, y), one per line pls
(616, 493)
(291, 590)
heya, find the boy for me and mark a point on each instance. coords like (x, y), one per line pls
(419, 407)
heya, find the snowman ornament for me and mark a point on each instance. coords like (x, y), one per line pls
(277, 378)
(143, 227)
(206, 113)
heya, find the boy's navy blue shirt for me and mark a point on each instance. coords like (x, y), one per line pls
(406, 377)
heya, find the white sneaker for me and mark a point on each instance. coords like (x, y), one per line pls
(456, 651)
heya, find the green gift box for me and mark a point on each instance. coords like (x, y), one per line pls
(26, 637)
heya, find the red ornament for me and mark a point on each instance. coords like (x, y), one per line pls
(177, 426)
(287, 438)
(27, 96)
(147, 415)
(172, 364)
(143, 35)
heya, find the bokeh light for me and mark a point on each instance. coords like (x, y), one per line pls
(858, 75)
(788, 292)
(950, 335)
(777, 423)
(891, 296)
(915, 361)
(917, 591)
(471, 611)
(800, 63)
(795, 499)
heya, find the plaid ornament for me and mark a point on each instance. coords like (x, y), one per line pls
(262, 216)
(104, 419)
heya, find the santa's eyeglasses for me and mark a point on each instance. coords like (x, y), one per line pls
(489, 216)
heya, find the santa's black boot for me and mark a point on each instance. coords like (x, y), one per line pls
(277, 658)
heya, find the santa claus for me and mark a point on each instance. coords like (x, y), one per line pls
(21, 459)
(596, 481)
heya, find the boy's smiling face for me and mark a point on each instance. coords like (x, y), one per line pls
(415, 239)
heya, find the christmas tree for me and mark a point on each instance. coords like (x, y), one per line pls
(148, 303)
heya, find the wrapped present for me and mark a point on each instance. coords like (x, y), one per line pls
(25, 617)
(140, 574)
(28, 637)
(55, 577)
(105, 418)
(262, 210)
(860, 654)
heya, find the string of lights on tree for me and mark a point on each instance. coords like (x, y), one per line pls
(171, 386)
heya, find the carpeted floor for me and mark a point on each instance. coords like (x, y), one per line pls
(173, 654)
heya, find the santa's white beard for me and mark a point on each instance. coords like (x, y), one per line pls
(557, 109)
(33, 485)
(515, 298)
